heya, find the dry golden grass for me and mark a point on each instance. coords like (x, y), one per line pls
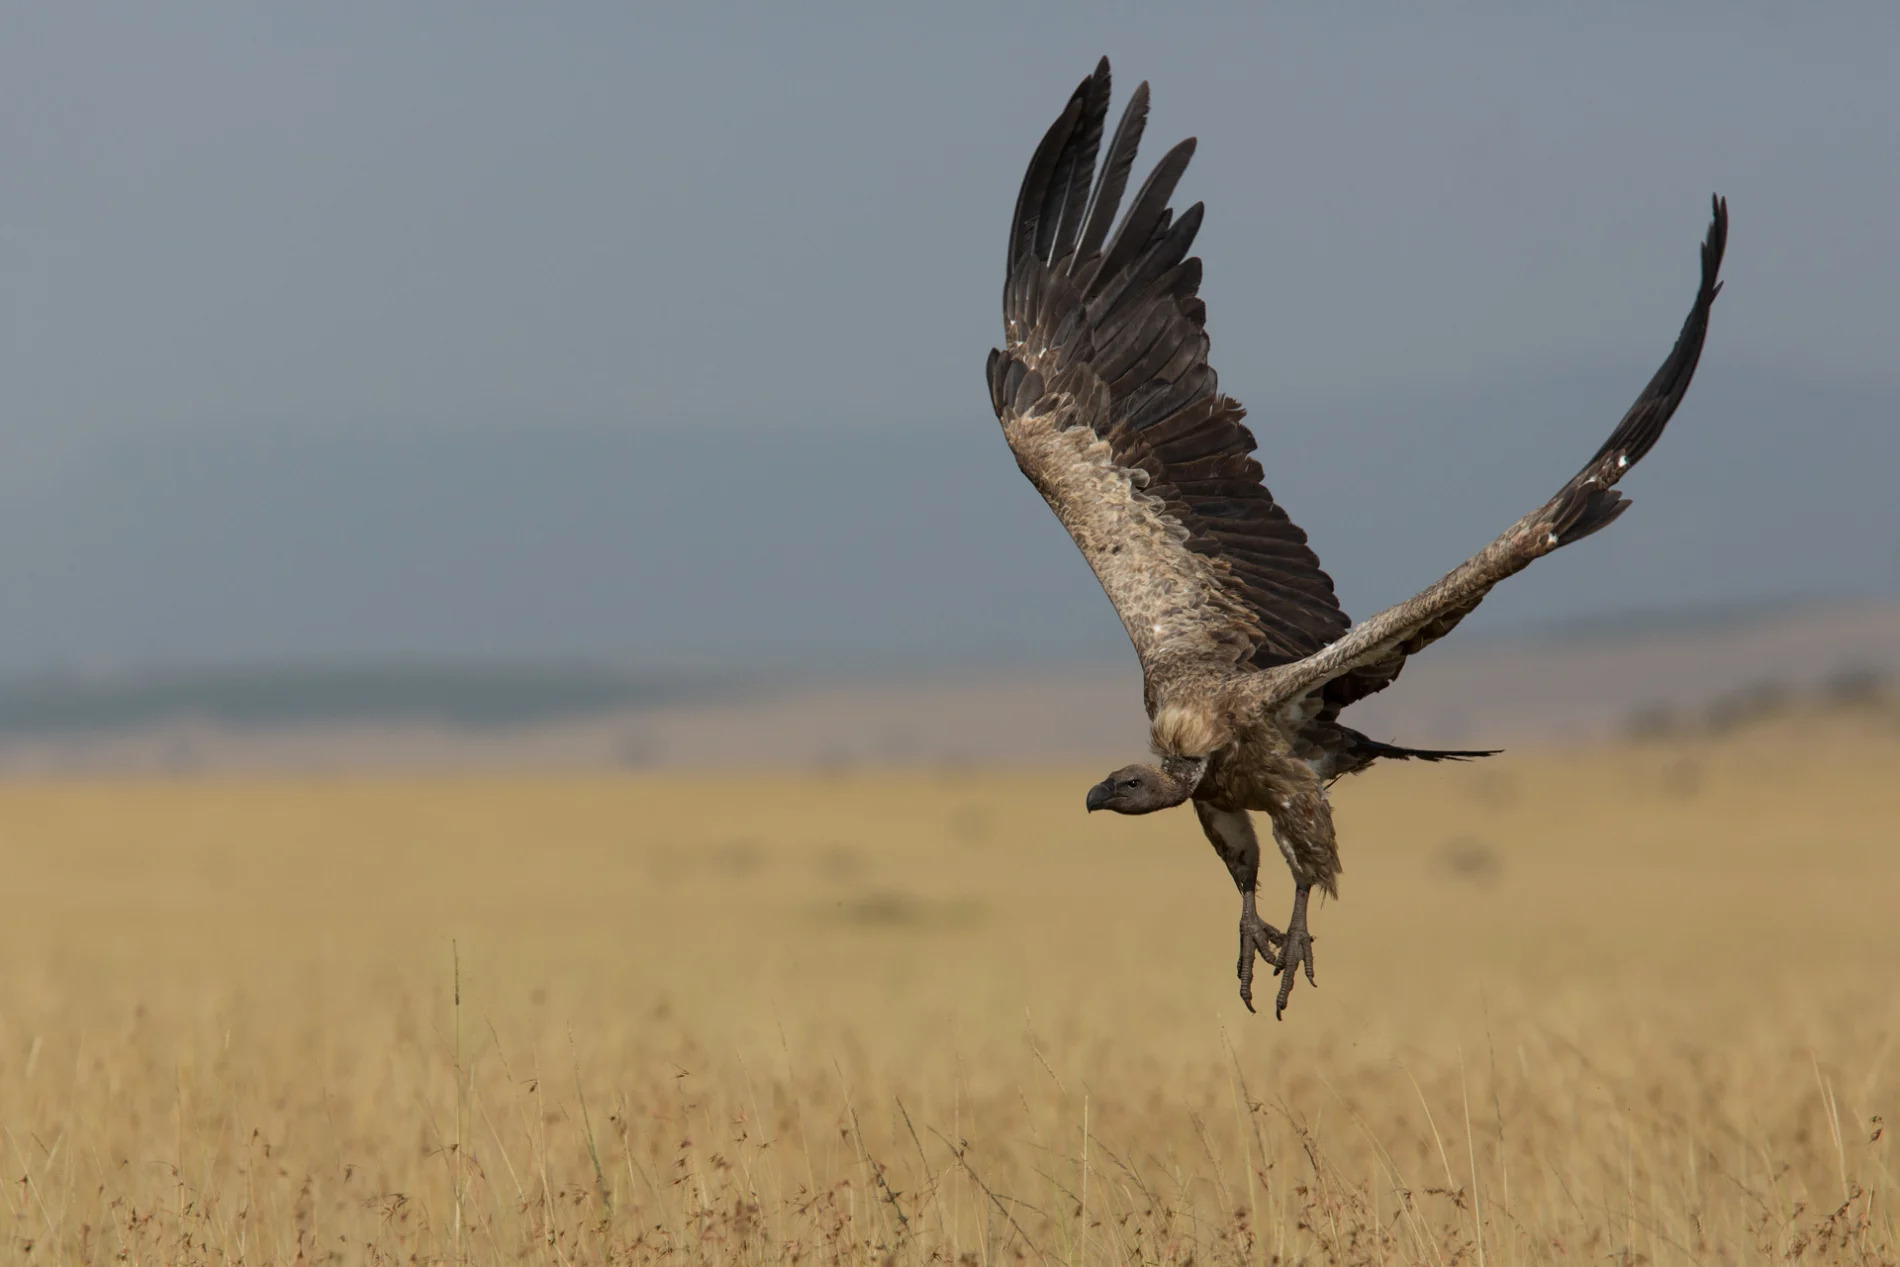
(1633, 1004)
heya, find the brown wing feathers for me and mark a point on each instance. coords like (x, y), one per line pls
(1123, 311)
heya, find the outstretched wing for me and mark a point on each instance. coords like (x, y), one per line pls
(1370, 657)
(1109, 404)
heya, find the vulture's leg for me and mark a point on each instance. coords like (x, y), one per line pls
(1231, 832)
(1296, 948)
(1303, 828)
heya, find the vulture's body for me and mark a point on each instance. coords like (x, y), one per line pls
(1112, 411)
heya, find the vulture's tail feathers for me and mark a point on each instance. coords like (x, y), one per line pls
(1372, 749)
(1436, 754)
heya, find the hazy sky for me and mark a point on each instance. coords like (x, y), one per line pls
(257, 229)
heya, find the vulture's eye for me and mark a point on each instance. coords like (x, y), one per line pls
(1131, 784)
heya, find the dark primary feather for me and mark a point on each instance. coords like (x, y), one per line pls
(1075, 169)
(1371, 657)
(1122, 309)
(1121, 160)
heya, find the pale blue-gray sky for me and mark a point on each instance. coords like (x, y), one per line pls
(365, 328)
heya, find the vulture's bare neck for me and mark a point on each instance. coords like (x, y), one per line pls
(1181, 777)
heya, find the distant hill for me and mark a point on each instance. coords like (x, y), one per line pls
(292, 696)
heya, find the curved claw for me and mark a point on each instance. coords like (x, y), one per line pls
(1257, 937)
(1296, 948)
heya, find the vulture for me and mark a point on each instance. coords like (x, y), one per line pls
(1109, 405)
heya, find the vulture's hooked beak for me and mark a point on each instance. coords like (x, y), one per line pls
(1099, 795)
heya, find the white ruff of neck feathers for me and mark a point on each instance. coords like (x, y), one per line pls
(1183, 731)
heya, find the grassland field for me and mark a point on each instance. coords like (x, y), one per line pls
(1632, 1003)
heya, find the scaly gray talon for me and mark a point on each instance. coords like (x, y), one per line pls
(1257, 937)
(1296, 948)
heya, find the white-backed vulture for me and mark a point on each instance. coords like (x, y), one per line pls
(1108, 402)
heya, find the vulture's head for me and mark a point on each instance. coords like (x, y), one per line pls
(1135, 789)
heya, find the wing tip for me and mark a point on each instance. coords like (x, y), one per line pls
(1714, 246)
(1643, 425)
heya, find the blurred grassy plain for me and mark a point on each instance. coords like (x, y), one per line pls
(1634, 1003)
